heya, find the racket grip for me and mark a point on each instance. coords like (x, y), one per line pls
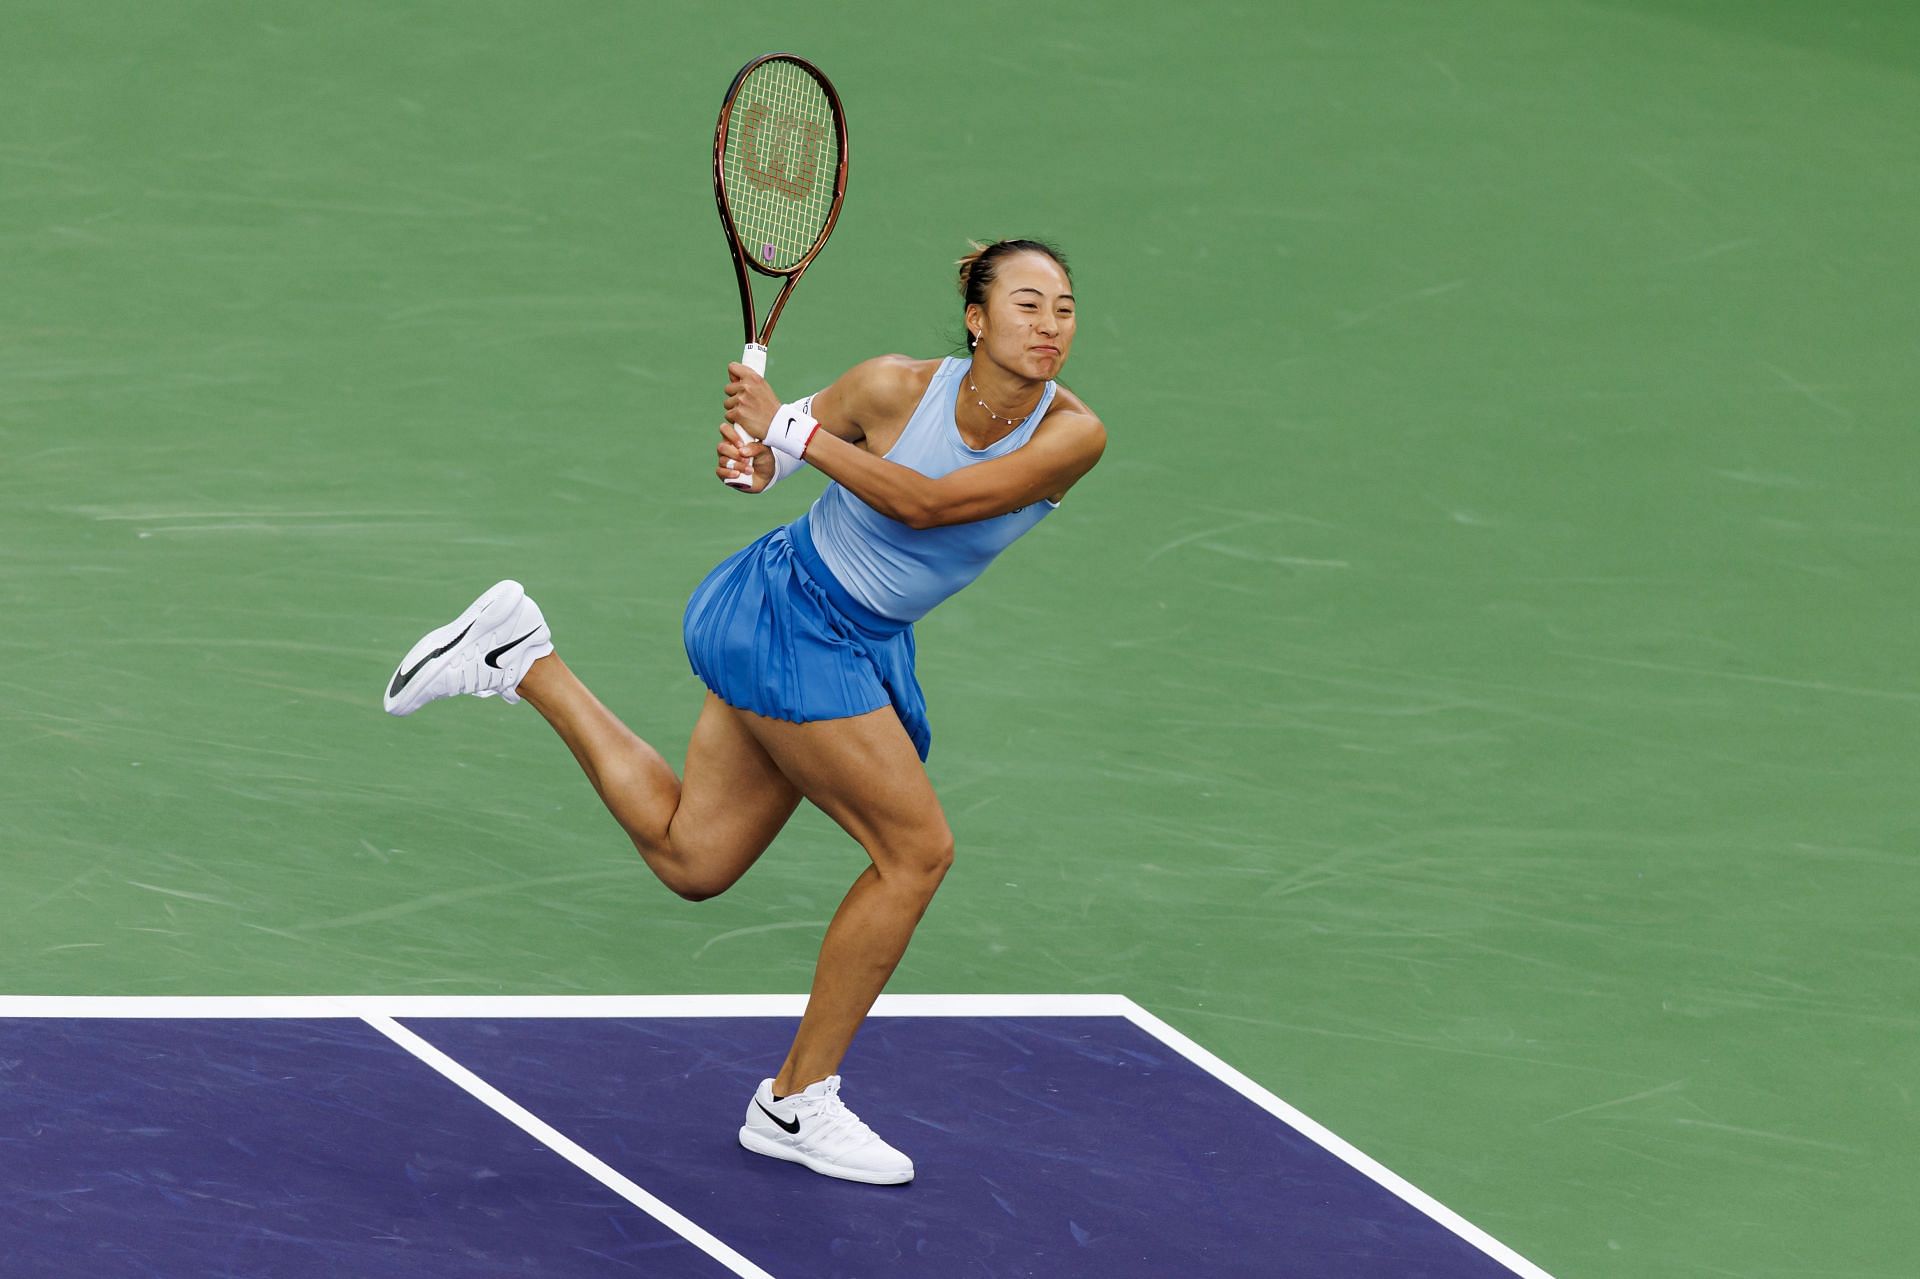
(755, 358)
(741, 481)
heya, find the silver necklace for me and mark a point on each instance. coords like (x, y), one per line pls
(1009, 421)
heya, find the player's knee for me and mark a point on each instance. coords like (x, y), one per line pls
(685, 876)
(696, 886)
(931, 859)
(700, 892)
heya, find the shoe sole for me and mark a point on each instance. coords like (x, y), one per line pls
(761, 1145)
(455, 638)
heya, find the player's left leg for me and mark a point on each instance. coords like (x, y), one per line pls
(864, 774)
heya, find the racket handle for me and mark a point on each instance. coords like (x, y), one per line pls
(741, 481)
(755, 358)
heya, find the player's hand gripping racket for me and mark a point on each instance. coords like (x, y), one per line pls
(779, 176)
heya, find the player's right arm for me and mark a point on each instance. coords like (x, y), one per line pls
(872, 399)
(870, 404)
(866, 406)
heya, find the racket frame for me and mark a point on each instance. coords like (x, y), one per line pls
(754, 354)
(742, 260)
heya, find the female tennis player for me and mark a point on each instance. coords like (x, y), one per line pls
(805, 641)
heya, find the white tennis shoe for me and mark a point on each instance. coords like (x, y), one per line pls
(485, 651)
(815, 1128)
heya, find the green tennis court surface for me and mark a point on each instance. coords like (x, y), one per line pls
(1475, 696)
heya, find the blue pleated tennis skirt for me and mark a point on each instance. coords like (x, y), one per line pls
(771, 631)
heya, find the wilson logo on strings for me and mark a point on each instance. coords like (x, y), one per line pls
(767, 146)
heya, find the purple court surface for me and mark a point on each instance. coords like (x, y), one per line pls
(1054, 1136)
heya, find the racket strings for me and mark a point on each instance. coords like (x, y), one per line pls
(780, 164)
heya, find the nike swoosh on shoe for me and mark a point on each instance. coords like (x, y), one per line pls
(789, 1126)
(402, 678)
(493, 657)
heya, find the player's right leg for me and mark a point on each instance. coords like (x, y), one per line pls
(698, 837)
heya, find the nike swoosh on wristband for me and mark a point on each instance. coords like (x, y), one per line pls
(402, 678)
(494, 655)
(790, 1127)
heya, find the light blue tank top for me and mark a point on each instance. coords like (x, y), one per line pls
(902, 572)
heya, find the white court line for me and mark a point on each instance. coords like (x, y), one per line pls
(547, 1135)
(1334, 1145)
(272, 1006)
(379, 1010)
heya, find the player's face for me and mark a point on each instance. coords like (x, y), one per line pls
(1027, 323)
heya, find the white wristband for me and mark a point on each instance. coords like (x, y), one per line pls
(783, 466)
(792, 430)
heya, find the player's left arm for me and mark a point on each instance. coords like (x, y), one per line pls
(1064, 447)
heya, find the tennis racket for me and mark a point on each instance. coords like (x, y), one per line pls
(779, 177)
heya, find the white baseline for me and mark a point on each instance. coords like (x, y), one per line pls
(380, 1011)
